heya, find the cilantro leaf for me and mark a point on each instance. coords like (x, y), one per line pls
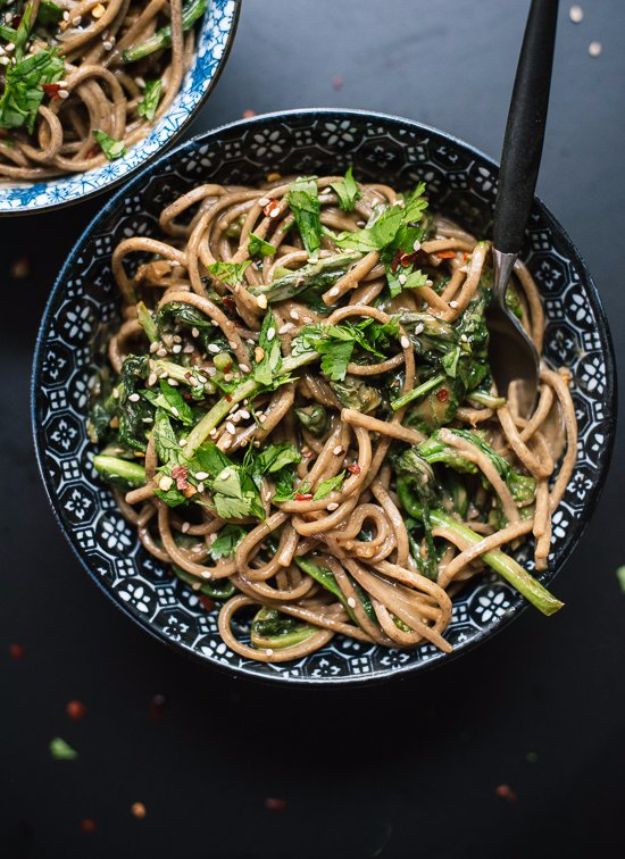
(335, 357)
(112, 148)
(167, 447)
(235, 495)
(170, 400)
(230, 273)
(327, 486)
(210, 459)
(303, 199)
(258, 247)
(148, 105)
(347, 191)
(226, 543)
(404, 278)
(23, 91)
(268, 367)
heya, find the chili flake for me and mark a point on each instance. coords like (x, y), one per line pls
(354, 468)
(138, 809)
(272, 209)
(445, 254)
(303, 496)
(206, 602)
(76, 710)
(52, 90)
(180, 474)
(248, 113)
(443, 395)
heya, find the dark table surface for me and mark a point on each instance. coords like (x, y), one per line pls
(406, 769)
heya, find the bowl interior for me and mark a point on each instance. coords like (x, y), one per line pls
(214, 37)
(461, 184)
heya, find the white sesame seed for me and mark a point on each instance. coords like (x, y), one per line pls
(201, 379)
(177, 338)
(595, 49)
(213, 347)
(284, 329)
(226, 443)
(212, 371)
(244, 414)
(213, 432)
(10, 47)
(66, 16)
(182, 442)
(201, 475)
(334, 292)
(174, 411)
(338, 450)
(115, 393)
(154, 346)
(195, 332)
(161, 352)
(576, 14)
(141, 84)
(244, 368)
(177, 349)
(214, 322)
(188, 349)
(228, 377)
(174, 382)
(134, 398)
(263, 201)
(108, 45)
(351, 602)
(206, 574)
(453, 304)
(185, 527)
(230, 427)
(232, 344)
(63, 93)
(405, 343)
(165, 483)
(152, 379)
(429, 283)
(402, 279)
(147, 420)
(200, 487)
(294, 314)
(333, 505)
(271, 334)
(416, 245)
(418, 328)
(269, 651)
(262, 418)
(261, 301)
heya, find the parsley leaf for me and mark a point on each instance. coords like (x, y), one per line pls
(336, 343)
(170, 400)
(112, 148)
(148, 105)
(23, 91)
(235, 495)
(303, 199)
(167, 447)
(327, 486)
(276, 460)
(347, 191)
(230, 273)
(404, 278)
(258, 247)
(226, 543)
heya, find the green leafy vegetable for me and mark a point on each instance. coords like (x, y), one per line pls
(258, 247)
(230, 273)
(404, 278)
(112, 148)
(170, 400)
(326, 487)
(353, 393)
(227, 541)
(303, 199)
(235, 495)
(274, 630)
(191, 12)
(119, 472)
(23, 30)
(148, 105)
(309, 281)
(314, 419)
(347, 191)
(266, 370)
(50, 14)
(147, 322)
(23, 91)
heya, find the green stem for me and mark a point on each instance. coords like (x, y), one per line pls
(417, 392)
(113, 468)
(162, 38)
(323, 273)
(503, 564)
(488, 400)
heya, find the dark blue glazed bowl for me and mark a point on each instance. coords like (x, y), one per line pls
(462, 184)
(214, 39)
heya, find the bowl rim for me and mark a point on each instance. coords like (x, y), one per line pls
(106, 187)
(610, 398)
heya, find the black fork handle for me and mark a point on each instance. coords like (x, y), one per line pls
(525, 129)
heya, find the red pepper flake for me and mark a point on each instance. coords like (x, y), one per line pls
(16, 651)
(91, 153)
(337, 82)
(229, 305)
(180, 474)
(272, 209)
(248, 113)
(354, 468)
(445, 254)
(273, 804)
(395, 261)
(505, 792)
(228, 398)
(303, 496)
(406, 259)
(157, 707)
(138, 809)
(76, 710)
(443, 395)
(206, 602)
(51, 89)
(15, 21)
(87, 825)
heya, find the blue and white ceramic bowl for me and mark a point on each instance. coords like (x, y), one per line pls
(214, 39)
(461, 183)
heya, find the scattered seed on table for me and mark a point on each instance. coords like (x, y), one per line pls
(595, 49)
(576, 14)
(248, 113)
(138, 810)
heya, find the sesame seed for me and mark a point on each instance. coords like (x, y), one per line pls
(154, 346)
(418, 328)
(232, 344)
(174, 411)
(269, 651)
(261, 301)
(334, 292)
(453, 304)
(188, 349)
(115, 393)
(201, 380)
(214, 322)
(262, 418)
(63, 93)
(212, 371)
(244, 368)
(152, 379)
(351, 602)
(244, 414)
(177, 338)
(177, 349)
(174, 383)
(206, 574)
(196, 586)
(201, 475)
(134, 398)
(405, 343)
(213, 347)
(294, 314)
(185, 527)
(416, 245)
(230, 427)
(263, 201)
(195, 332)
(402, 279)
(66, 16)
(108, 45)
(213, 432)
(4, 61)
(141, 84)
(97, 11)
(333, 505)
(147, 420)
(576, 14)
(338, 450)
(271, 334)
(10, 47)
(165, 483)
(200, 487)
(228, 377)
(284, 329)
(595, 49)
(161, 352)
(182, 442)
(429, 283)
(226, 443)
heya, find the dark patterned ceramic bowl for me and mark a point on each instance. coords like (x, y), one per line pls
(461, 183)
(214, 39)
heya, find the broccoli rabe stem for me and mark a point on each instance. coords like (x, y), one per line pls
(291, 284)
(123, 470)
(503, 564)
(162, 38)
(416, 393)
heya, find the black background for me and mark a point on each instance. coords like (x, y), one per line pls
(407, 769)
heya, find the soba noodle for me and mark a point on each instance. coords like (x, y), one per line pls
(299, 410)
(81, 81)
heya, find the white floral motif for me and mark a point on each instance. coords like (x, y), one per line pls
(78, 322)
(492, 604)
(136, 595)
(115, 534)
(78, 504)
(64, 434)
